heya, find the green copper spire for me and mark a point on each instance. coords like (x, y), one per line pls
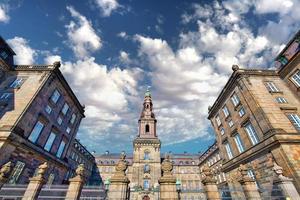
(148, 93)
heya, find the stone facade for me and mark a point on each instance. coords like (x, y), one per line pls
(39, 118)
(256, 121)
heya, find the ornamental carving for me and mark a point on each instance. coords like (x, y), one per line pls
(167, 166)
(122, 165)
(42, 169)
(207, 174)
(80, 170)
(5, 170)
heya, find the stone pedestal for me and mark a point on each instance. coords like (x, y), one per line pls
(33, 189)
(211, 190)
(74, 189)
(250, 189)
(118, 189)
(76, 184)
(285, 184)
(168, 188)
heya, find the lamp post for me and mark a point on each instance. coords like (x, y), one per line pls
(106, 184)
(178, 187)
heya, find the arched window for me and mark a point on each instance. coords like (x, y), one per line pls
(146, 155)
(147, 128)
(146, 168)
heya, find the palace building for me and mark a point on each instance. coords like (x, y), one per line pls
(144, 169)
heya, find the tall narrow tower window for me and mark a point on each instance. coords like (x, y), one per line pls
(147, 128)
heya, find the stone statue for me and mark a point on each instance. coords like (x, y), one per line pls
(42, 170)
(167, 166)
(5, 170)
(121, 165)
(80, 170)
(279, 172)
(208, 176)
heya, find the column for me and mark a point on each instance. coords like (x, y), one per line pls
(76, 184)
(249, 186)
(5, 172)
(210, 186)
(167, 181)
(284, 183)
(36, 183)
(118, 189)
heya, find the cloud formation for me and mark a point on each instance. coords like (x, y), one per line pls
(25, 54)
(83, 39)
(107, 6)
(4, 17)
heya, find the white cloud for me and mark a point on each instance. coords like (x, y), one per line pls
(25, 54)
(107, 95)
(51, 59)
(82, 37)
(107, 6)
(276, 6)
(4, 13)
(123, 35)
(124, 57)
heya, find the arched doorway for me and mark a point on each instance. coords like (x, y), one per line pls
(146, 197)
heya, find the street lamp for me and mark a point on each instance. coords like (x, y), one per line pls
(178, 187)
(106, 184)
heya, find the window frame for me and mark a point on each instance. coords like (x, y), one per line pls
(253, 136)
(239, 143)
(53, 100)
(57, 154)
(39, 134)
(225, 111)
(295, 120)
(235, 99)
(51, 142)
(271, 87)
(295, 81)
(228, 150)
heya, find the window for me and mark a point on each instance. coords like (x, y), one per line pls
(281, 100)
(147, 128)
(50, 141)
(65, 109)
(17, 83)
(296, 78)
(68, 130)
(228, 150)
(295, 119)
(4, 55)
(242, 112)
(235, 99)
(218, 120)
(6, 95)
(271, 87)
(60, 149)
(230, 123)
(59, 120)
(18, 169)
(146, 156)
(73, 118)
(146, 168)
(48, 109)
(251, 133)
(251, 174)
(55, 96)
(239, 143)
(225, 111)
(146, 184)
(36, 131)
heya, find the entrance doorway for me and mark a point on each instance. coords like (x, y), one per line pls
(146, 197)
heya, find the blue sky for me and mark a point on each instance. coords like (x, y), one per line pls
(111, 50)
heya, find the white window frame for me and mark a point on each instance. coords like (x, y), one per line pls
(218, 120)
(225, 111)
(242, 112)
(48, 109)
(252, 133)
(230, 123)
(222, 131)
(296, 78)
(235, 99)
(281, 100)
(239, 143)
(271, 87)
(17, 83)
(55, 96)
(228, 150)
(50, 142)
(295, 120)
